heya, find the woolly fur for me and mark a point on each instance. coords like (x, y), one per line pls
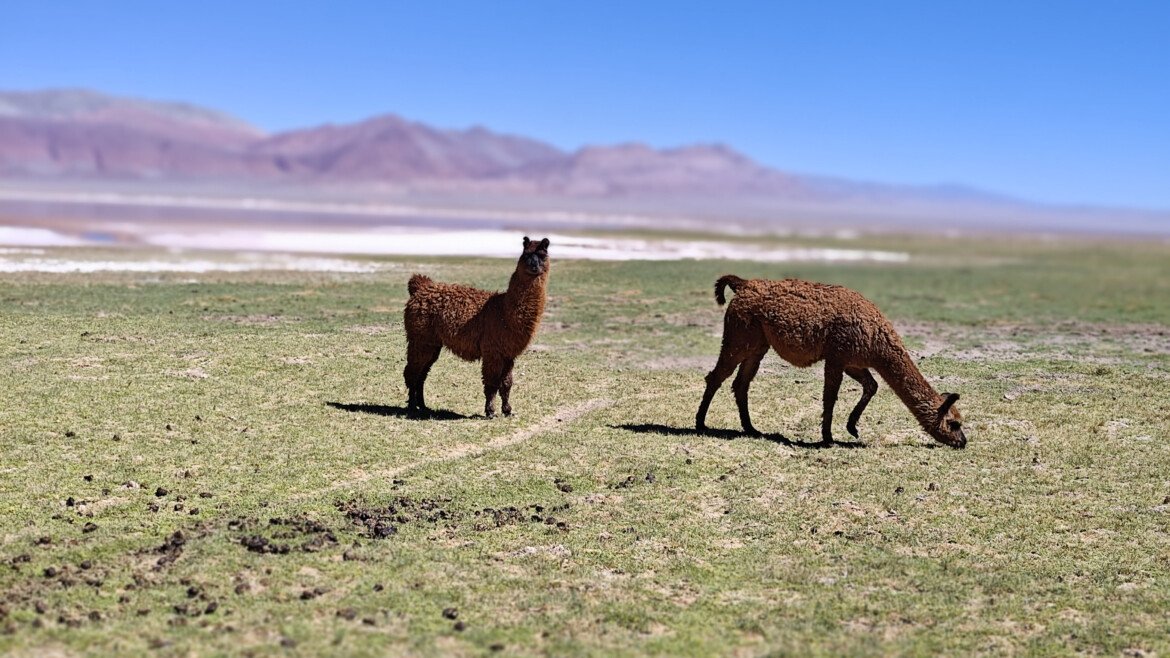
(807, 322)
(475, 324)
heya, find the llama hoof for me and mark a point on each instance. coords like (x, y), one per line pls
(507, 413)
(852, 429)
(489, 414)
(700, 428)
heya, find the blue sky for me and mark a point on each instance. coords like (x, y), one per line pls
(1053, 101)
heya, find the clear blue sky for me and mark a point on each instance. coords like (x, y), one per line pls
(1065, 101)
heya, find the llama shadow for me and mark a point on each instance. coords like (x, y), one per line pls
(667, 430)
(399, 412)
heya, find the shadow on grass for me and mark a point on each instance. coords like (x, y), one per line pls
(667, 430)
(399, 412)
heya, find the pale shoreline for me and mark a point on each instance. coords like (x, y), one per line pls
(252, 249)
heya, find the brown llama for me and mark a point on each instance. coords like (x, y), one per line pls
(475, 324)
(806, 322)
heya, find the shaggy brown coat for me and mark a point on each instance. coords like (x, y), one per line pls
(475, 324)
(806, 322)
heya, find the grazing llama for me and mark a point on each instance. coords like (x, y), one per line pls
(475, 324)
(806, 322)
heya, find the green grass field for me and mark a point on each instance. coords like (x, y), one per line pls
(220, 464)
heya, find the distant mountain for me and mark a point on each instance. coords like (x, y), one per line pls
(72, 136)
(85, 134)
(391, 148)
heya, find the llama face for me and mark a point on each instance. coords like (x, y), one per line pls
(950, 423)
(534, 258)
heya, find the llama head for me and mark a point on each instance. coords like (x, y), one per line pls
(949, 426)
(534, 258)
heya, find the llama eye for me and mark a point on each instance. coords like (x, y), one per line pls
(955, 425)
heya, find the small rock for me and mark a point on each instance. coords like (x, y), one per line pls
(460, 626)
(86, 564)
(89, 527)
(88, 478)
(450, 613)
(160, 492)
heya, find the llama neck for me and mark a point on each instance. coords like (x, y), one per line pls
(524, 301)
(912, 388)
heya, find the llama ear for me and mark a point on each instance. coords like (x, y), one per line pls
(544, 243)
(951, 399)
(526, 241)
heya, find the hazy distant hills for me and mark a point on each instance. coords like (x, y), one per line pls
(84, 134)
(62, 141)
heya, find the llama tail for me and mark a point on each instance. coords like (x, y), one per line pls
(418, 282)
(724, 281)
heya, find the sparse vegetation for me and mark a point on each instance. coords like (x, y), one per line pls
(217, 464)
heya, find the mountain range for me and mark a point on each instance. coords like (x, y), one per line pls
(77, 138)
(84, 134)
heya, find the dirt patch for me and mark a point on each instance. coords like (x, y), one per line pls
(1007, 342)
(370, 330)
(381, 521)
(253, 320)
(283, 535)
(189, 373)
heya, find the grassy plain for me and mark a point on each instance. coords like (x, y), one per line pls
(259, 416)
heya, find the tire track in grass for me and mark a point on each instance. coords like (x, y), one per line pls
(553, 423)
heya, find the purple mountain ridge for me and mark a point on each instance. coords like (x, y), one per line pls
(76, 138)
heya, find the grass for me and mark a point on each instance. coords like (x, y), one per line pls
(594, 521)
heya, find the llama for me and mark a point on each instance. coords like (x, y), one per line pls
(806, 322)
(475, 324)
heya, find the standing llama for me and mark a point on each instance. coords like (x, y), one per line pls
(475, 324)
(806, 322)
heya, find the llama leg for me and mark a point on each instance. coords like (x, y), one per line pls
(422, 380)
(728, 360)
(506, 387)
(833, 375)
(869, 386)
(419, 359)
(747, 372)
(493, 375)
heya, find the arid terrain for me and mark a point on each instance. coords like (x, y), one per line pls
(217, 460)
